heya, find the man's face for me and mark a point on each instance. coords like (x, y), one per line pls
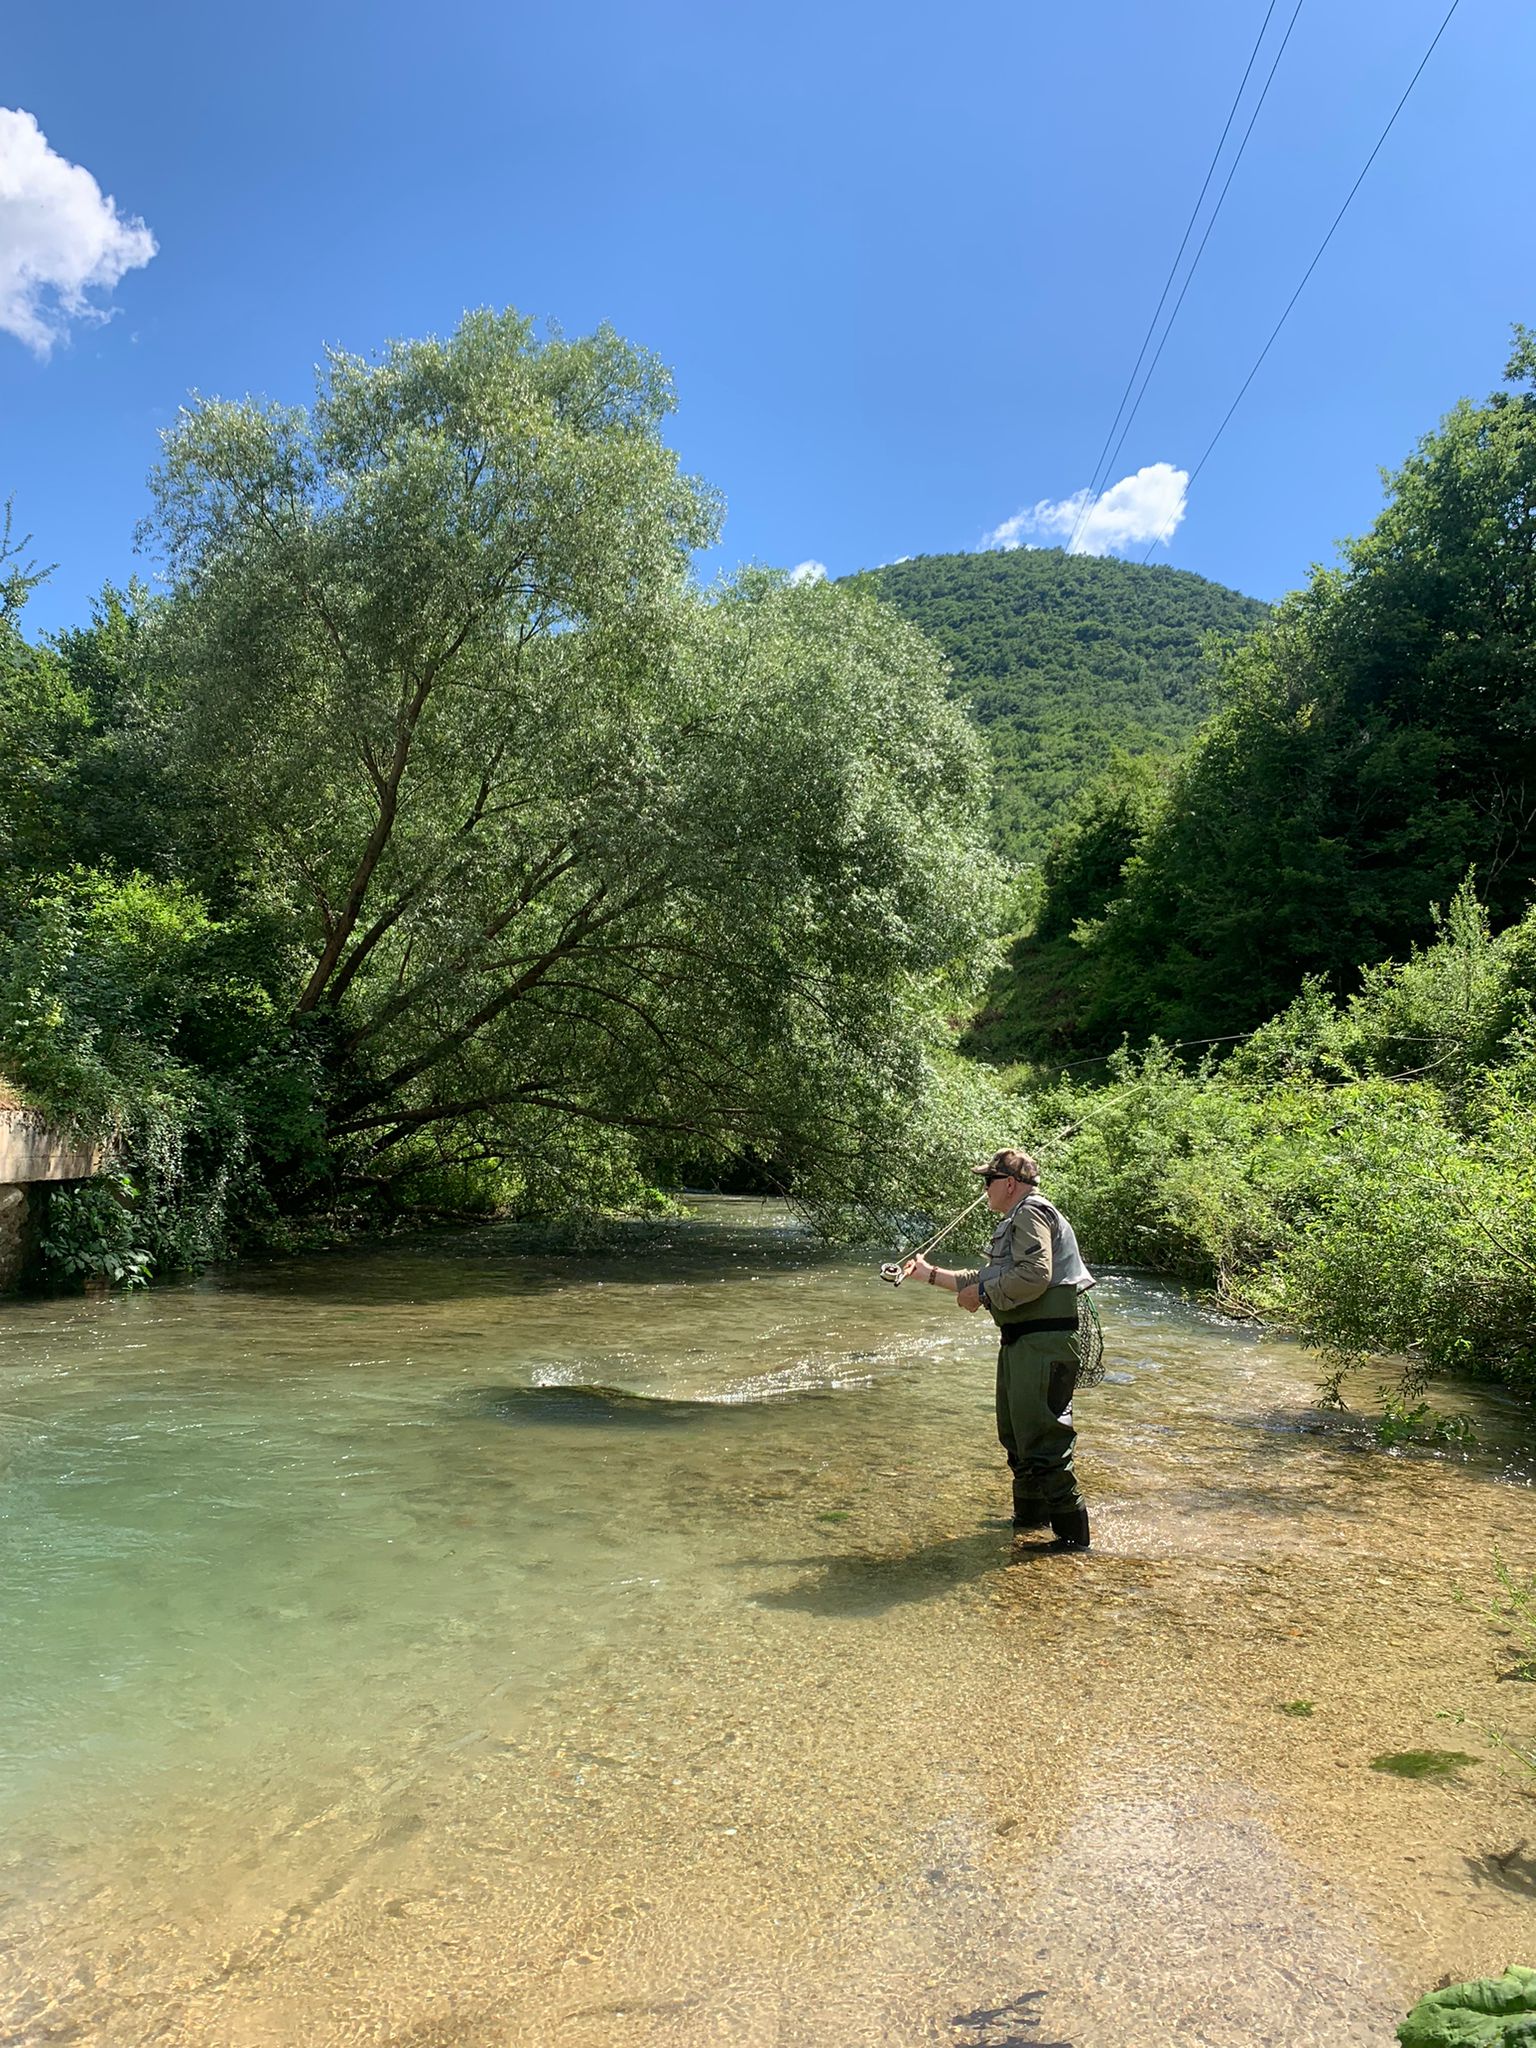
(1002, 1192)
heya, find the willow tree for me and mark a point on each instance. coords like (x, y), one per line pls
(583, 871)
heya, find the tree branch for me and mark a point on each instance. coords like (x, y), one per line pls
(558, 862)
(588, 918)
(439, 877)
(402, 1123)
(388, 786)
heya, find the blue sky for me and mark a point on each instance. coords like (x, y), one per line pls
(900, 258)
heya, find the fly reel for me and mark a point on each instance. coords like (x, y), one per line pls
(895, 1270)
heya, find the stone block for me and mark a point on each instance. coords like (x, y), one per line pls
(33, 1149)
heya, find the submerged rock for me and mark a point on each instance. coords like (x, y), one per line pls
(605, 1407)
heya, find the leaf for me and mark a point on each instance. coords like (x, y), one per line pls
(1490, 2012)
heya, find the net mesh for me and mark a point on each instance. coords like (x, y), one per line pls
(1090, 1341)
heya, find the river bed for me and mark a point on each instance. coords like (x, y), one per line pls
(465, 1644)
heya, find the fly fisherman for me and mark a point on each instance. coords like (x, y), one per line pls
(1029, 1285)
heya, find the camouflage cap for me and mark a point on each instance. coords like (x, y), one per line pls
(1016, 1165)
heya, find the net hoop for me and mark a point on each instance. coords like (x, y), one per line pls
(1090, 1342)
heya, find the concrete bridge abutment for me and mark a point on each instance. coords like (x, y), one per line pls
(34, 1155)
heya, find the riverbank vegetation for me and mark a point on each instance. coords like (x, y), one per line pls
(1374, 742)
(436, 844)
(1363, 1169)
(1313, 944)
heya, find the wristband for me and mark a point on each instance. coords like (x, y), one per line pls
(933, 1276)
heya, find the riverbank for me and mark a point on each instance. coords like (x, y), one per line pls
(1360, 1171)
(384, 1678)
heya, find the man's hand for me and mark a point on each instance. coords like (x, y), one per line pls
(969, 1298)
(917, 1268)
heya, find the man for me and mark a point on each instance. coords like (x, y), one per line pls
(1030, 1284)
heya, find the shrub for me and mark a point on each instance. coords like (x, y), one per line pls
(1364, 1170)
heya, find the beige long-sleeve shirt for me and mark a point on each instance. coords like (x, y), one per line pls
(1018, 1264)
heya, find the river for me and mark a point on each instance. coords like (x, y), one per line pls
(466, 1644)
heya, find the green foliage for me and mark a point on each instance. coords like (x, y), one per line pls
(133, 1019)
(41, 717)
(1102, 830)
(91, 1232)
(123, 1006)
(119, 803)
(90, 978)
(436, 842)
(1063, 658)
(1405, 1422)
(1493, 2012)
(1375, 739)
(18, 579)
(585, 875)
(1364, 1170)
(82, 735)
(911, 1171)
(1422, 1763)
(1039, 996)
(1157, 1167)
(1512, 1613)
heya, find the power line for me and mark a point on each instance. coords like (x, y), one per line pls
(1189, 277)
(1095, 486)
(1306, 274)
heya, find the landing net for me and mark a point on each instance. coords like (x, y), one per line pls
(1090, 1342)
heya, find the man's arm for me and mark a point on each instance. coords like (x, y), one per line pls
(961, 1282)
(1027, 1274)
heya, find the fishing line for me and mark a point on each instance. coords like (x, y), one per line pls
(895, 1269)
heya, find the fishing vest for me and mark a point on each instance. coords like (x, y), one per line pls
(1067, 1266)
(1057, 1308)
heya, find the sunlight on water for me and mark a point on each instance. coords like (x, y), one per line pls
(465, 1643)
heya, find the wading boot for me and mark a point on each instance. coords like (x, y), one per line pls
(1070, 1531)
(1029, 1512)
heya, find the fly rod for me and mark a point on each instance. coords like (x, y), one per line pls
(896, 1269)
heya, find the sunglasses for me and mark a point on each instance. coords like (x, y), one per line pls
(990, 1177)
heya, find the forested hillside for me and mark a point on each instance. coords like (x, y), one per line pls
(1063, 657)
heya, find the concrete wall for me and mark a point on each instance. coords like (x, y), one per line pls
(32, 1151)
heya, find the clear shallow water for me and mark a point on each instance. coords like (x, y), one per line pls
(464, 1644)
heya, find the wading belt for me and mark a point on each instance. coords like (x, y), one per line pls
(1062, 1298)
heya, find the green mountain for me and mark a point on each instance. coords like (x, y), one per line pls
(1062, 657)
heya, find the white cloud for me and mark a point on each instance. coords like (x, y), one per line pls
(59, 237)
(808, 572)
(1143, 507)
